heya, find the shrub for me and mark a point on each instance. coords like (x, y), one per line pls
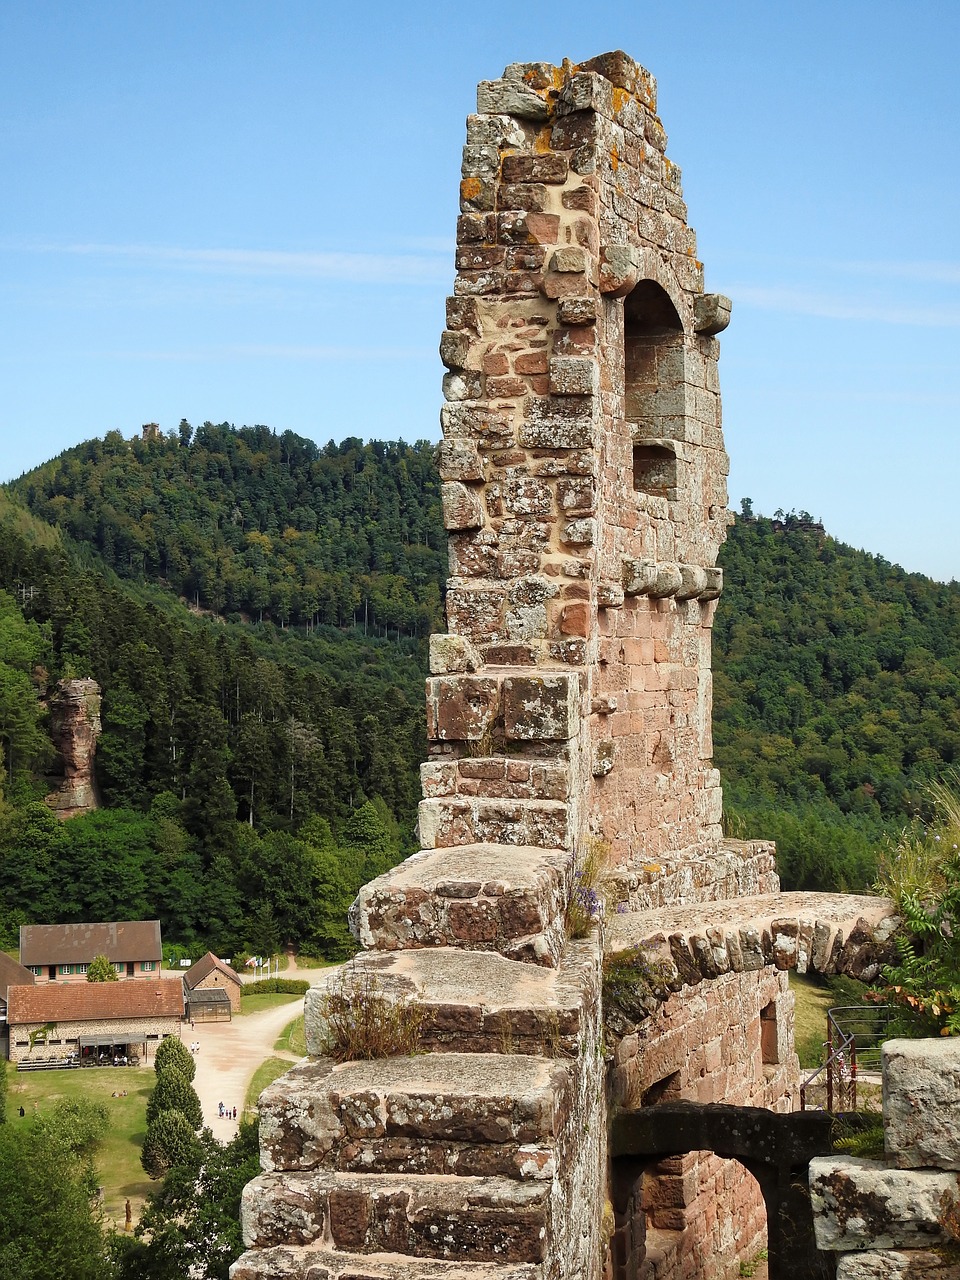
(172, 1052)
(283, 986)
(169, 1140)
(174, 1092)
(361, 1022)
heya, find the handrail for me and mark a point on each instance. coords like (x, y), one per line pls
(844, 1056)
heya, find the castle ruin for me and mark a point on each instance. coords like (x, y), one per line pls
(569, 717)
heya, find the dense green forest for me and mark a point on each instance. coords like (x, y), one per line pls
(254, 608)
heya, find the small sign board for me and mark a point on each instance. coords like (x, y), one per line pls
(185, 964)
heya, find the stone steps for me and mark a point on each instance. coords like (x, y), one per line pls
(480, 1002)
(440, 1216)
(483, 897)
(465, 1114)
(320, 1263)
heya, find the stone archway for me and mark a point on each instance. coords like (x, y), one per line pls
(775, 1149)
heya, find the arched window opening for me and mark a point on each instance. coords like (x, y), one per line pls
(653, 387)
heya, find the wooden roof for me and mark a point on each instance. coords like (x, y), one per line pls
(84, 1001)
(121, 940)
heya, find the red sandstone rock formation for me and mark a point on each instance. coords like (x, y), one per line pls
(74, 728)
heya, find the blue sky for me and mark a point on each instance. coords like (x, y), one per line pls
(244, 212)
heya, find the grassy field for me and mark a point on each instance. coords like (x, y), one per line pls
(265, 1074)
(293, 1039)
(813, 1000)
(268, 1000)
(121, 1173)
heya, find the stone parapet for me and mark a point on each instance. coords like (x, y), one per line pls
(703, 874)
(683, 945)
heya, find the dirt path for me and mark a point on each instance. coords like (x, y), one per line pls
(231, 1052)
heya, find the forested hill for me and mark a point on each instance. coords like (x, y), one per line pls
(294, 691)
(837, 694)
(254, 525)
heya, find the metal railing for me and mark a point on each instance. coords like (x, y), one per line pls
(855, 1034)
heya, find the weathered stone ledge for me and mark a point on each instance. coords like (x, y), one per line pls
(862, 1204)
(452, 1113)
(320, 1263)
(480, 1002)
(440, 1216)
(482, 897)
(827, 933)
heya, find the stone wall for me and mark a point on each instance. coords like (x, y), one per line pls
(899, 1216)
(569, 722)
(65, 1037)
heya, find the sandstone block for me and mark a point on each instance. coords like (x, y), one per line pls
(899, 1264)
(619, 270)
(494, 131)
(624, 73)
(449, 654)
(461, 708)
(462, 509)
(569, 422)
(528, 228)
(921, 1102)
(860, 1204)
(577, 310)
(454, 348)
(512, 98)
(570, 258)
(531, 197)
(541, 708)
(459, 460)
(579, 533)
(547, 167)
(573, 376)
(711, 313)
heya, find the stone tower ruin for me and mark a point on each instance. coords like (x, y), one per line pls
(568, 713)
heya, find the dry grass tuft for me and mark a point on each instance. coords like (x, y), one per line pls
(362, 1022)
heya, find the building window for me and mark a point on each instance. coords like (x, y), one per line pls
(64, 969)
(35, 969)
(118, 965)
(82, 968)
(147, 966)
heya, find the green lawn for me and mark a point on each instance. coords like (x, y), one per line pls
(121, 1173)
(813, 999)
(293, 1039)
(265, 1074)
(268, 1000)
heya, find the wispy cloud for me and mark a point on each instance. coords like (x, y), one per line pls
(273, 351)
(845, 307)
(929, 272)
(355, 268)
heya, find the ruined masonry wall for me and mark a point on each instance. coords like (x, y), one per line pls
(583, 478)
(568, 707)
